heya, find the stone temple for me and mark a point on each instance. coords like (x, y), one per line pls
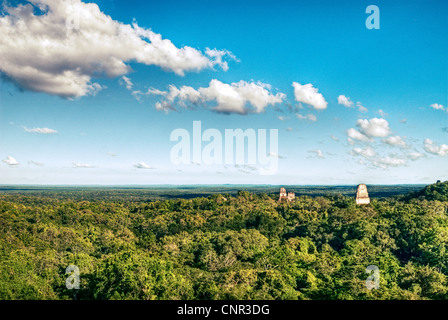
(362, 196)
(283, 196)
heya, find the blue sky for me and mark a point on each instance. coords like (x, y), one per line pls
(87, 127)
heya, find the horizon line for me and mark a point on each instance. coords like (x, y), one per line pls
(205, 184)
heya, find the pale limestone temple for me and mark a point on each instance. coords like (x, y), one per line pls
(283, 196)
(362, 196)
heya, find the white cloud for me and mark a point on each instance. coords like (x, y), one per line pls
(125, 81)
(345, 101)
(308, 94)
(356, 135)
(218, 56)
(361, 108)
(433, 148)
(233, 98)
(334, 138)
(370, 129)
(40, 130)
(374, 127)
(142, 165)
(395, 141)
(366, 152)
(80, 165)
(59, 51)
(159, 92)
(318, 153)
(282, 118)
(275, 155)
(310, 117)
(382, 113)
(415, 155)
(10, 161)
(229, 98)
(437, 106)
(389, 162)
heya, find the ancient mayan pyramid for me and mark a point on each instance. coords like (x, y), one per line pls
(283, 196)
(362, 196)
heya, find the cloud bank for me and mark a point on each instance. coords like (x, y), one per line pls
(59, 51)
(239, 97)
(432, 147)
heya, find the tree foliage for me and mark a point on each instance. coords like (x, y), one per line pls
(246, 246)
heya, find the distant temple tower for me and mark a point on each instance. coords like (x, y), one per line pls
(290, 196)
(362, 196)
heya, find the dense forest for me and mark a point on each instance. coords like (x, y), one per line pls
(223, 246)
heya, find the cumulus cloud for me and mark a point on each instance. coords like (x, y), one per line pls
(40, 130)
(310, 117)
(142, 165)
(10, 161)
(395, 141)
(308, 94)
(366, 152)
(60, 50)
(370, 157)
(354, 134)
(229, 98)
(345, 101)
(437, 106)
(233, 98)
(431, 147)
(282, 118)
(374, 127)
